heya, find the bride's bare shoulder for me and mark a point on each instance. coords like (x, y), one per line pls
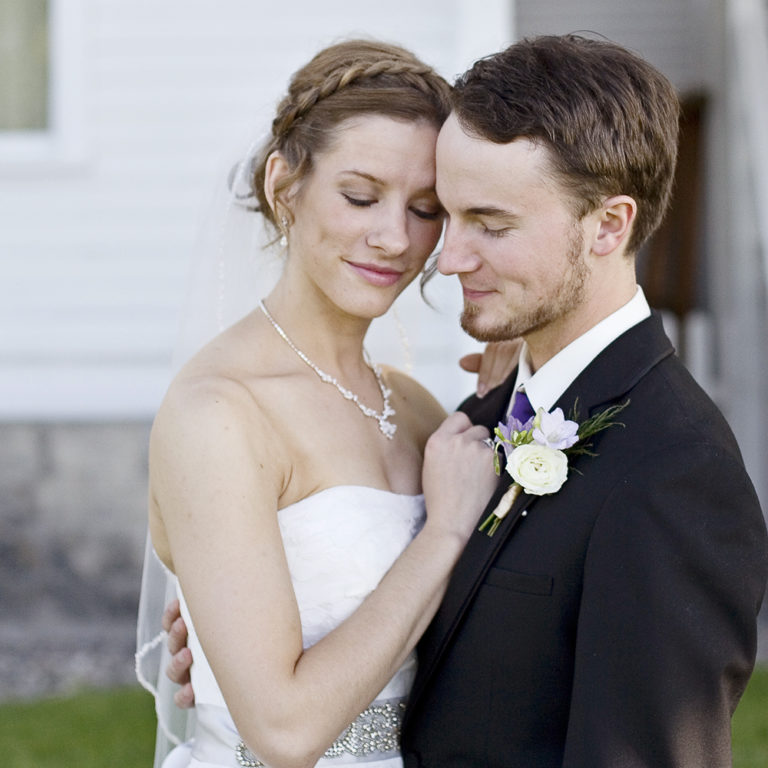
(219, 394)
(195, 395)
(202, 415)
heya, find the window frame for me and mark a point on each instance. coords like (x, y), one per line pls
(62, 144)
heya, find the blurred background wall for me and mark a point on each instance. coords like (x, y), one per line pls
(116, 118)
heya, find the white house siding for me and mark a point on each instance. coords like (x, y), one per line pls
(94, 252)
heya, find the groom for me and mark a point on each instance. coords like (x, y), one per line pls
(613, 623)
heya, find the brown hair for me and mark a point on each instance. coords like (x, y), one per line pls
(608, 118)
(345, 80)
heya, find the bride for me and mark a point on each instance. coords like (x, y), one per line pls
(286, 489)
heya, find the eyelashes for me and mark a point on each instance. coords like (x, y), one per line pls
(361, 202)
(428, 215)
(495, 232)
(358, 202)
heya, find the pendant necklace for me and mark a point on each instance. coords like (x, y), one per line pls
(385, 425)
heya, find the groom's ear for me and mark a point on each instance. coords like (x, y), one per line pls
(614, 224)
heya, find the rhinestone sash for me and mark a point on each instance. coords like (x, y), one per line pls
(374, 734)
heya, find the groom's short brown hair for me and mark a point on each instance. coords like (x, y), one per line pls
(607, 117)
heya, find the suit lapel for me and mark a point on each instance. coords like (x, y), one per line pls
(609, 377)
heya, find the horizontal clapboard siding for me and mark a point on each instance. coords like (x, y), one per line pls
(94, 253)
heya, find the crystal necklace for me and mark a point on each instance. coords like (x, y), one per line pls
(387, 427)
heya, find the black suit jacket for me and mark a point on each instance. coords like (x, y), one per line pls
(614, 622)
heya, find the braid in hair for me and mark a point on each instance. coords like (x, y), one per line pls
(297, 103)
(353, 78)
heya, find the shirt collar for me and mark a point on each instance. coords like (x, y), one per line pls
(546, 385)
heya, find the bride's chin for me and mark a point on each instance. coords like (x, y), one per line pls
(373, 306)
(371, 313)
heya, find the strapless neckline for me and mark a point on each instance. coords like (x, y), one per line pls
(407, 498)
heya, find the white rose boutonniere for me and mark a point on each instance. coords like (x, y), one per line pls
(538, 468)
(537, 453)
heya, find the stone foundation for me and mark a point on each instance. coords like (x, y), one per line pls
(72, 529)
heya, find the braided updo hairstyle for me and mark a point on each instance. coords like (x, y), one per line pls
(352, 78)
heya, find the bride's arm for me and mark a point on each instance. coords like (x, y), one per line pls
(215, 480)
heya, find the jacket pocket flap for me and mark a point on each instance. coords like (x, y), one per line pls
(531, 583)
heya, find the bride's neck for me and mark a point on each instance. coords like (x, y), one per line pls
(330, 337)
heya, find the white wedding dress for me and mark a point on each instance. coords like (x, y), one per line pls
(339, 543)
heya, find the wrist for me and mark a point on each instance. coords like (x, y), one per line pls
(448, 539)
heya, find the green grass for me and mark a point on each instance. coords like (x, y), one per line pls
(750, 723)
(113, 728)
(116, 729)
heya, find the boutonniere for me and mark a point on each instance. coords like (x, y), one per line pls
(536, 452)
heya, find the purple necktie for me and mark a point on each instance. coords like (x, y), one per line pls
(522, 409)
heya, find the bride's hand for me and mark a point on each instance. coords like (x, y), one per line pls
(181, 657)
(493, 364)
(458, 476)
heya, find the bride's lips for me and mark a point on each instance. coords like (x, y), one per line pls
(375, 274)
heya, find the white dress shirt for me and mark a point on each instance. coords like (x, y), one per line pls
(546, 385)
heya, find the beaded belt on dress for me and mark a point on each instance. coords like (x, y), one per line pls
(374, 735)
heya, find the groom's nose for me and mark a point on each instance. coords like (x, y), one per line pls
(458, 253)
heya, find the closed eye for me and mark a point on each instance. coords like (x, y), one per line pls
(361, 202)
(427, 215)
(358, 201)
(493, 221)
(495, 232)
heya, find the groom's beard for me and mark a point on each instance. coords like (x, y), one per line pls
(563, 297)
